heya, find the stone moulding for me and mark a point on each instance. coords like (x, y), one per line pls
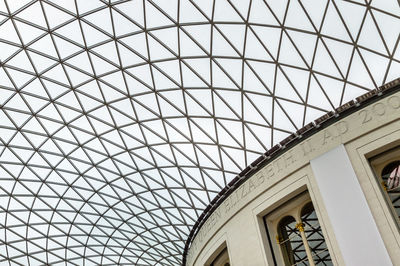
(283, 146)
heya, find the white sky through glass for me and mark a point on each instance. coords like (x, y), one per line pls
(121, 120)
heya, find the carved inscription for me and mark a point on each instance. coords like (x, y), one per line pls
(366, 116)
(336, 131)
(280, 167)
(205, 229)
(379, 109)
(243, 191)
(394, 102)
(307, 147)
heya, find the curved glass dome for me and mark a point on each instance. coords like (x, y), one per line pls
(121, 120)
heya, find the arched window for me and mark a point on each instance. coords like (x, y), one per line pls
(222, 259)
(290, 241)
(315, 238)
(391, 182)
(300, 237)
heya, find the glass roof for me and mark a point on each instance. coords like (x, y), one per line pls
(121, 120)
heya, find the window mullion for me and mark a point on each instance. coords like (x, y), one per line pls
(300, 228)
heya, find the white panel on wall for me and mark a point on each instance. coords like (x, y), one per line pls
(355, 229)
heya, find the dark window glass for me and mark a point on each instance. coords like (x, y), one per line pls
(291, 243)
(315, 238)
(390, 178)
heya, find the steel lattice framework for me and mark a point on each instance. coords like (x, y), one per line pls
(121, 120)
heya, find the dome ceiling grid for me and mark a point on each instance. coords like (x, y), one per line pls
(121, 120)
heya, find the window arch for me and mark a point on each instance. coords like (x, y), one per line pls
(290, 241)
(300, 237)
(386, 167)
(390, 176)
